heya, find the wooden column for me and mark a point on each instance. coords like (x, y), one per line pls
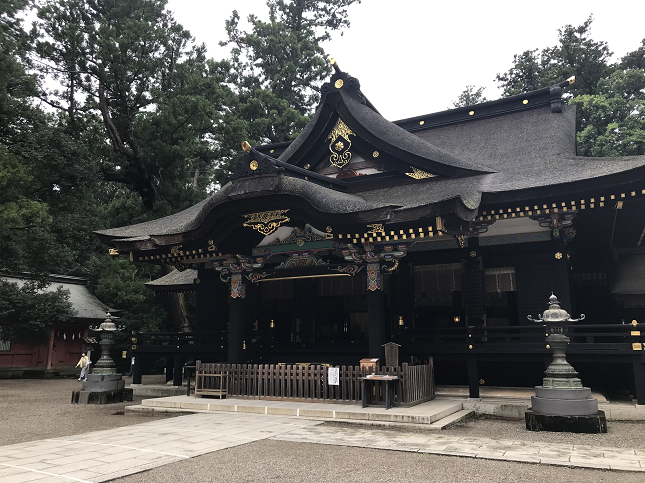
(375, 311)
(473, 378)
(50, 348)
(639, 382)
(212, 295)
(560, 274)
(474, 291)
(136, 370)
(177, 371)
(212, 310)
(236, 319)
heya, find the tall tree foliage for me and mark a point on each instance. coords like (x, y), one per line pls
(277, 66)
(576, 54)
(470, 96)
(128, 65)
(610, 98)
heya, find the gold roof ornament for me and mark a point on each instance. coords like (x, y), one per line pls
(340, 154)
(266, 222)
(418, 174)
(571, 80)
(246, 146)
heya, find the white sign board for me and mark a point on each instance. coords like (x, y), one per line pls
(333, 376)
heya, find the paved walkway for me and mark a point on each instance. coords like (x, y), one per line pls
(104, 455)
(435, 443)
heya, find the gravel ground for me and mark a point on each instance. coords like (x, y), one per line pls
(33, 409)
(282, 461)
(620, 434)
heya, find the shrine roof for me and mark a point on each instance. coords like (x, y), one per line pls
(517, 148)
(84, 304)
(379, 127)
(175, 281)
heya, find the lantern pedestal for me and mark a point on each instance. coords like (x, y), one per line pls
(104, 385)
(562, 404)
(102, 389)
(594, 423)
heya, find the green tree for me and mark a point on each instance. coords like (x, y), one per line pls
(470, 96)
(129, 67)
(278, 66)
(609, 98)
(576, 54)
(612, 121)
(27, 312)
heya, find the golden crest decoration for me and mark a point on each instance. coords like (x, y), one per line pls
(376, 229)
(340, 154)
(266, 222)
(418, 174)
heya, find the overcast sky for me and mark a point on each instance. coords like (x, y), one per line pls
(414, 57)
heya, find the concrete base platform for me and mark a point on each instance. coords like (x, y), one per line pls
(430, 414)
(103, 383)
(102, 397)
(158, 390)
(594, 423)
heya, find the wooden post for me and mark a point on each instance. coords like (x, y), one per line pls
(136, 369)
(473, 378)
(50, 350)
(376, 321)
(236, 319)
(177, 371)
(639, 381)
(212, 298)
(560, 274)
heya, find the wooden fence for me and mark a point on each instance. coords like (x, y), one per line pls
(309, 382)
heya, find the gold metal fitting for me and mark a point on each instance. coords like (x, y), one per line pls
(332, 61)
(246, 146)
(571, 79)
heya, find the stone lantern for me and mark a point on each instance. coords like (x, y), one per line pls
(104, 385)
(561, 403)
(105, 365)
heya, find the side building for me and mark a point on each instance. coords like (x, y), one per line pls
(67, 340)
(441, 232)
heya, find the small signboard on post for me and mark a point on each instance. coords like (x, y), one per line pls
(333, 376)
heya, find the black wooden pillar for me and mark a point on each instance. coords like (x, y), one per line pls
(212, 295)
(375, 311)
(177, 371)
(170, 364)
(473, 378)
(376, 322)
(560, 274)
(237, 317)
(639, 381)
(474, 291)
(136, 369)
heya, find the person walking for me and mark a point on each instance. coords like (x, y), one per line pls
(83, 364)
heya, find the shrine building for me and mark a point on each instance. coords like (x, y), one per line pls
(441, 232)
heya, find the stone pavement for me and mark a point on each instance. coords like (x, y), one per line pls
(105, 455)
(581, 456)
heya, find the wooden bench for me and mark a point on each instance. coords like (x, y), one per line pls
(215, 385)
